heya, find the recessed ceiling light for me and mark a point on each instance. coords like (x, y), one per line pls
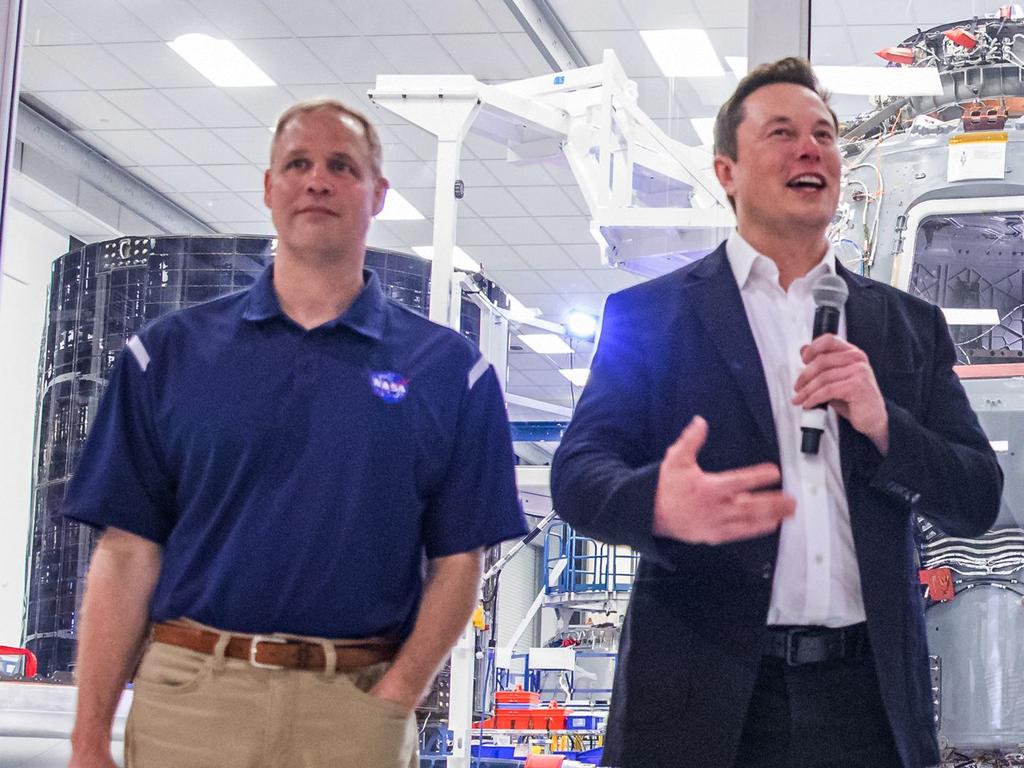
(738, 65)
(546, 343)
(577, 376)
(970, 316)
(581, 325)
(397, 208)
(683, 52)
(881, 81)
(219, 61)
(705, 128)
(461, 258)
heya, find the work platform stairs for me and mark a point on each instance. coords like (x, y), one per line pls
(584, 573)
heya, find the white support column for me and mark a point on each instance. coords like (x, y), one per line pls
(444, 308)
(776, 29)
(11, 16)
(460, 698)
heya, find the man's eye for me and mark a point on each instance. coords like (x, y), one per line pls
(297, 162)
(342, 166)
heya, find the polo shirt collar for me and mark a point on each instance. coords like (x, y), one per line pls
(744, 258)
(365, 316)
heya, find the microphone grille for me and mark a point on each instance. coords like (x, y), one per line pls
(830, 291)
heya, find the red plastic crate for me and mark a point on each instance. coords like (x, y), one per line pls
(529, 698)
(536, 719)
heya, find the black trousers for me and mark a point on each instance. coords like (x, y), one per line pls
(827, 715)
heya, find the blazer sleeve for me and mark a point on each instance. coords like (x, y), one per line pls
(603, 476)
(941, 463)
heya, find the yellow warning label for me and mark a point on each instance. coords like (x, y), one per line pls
(980, 137)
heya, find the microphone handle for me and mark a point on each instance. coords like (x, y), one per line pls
(826, 320)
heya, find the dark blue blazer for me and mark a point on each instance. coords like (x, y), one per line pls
(679, 346)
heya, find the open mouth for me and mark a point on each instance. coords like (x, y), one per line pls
(807, 181)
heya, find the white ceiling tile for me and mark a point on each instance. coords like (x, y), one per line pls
(832, 46)
(240, 178)
(145, 148)
(94, 66)
(545, 201)
(286, 62)
(105, 21)
(421, 199)
(201, 146)
(528, 54)
(492, 201)
(499, 14)
(497, 257)
(475, 174)
(407, 175)
(242, 19)
(586, 255)
(265, 104)
(311, 17)
(519, 231)
(39, 73)
(574, 194)
(593, 303)
(609, 279)
(46, 26)
(171, 18)
(398, 153)
(713, 91)
(380, 236)
(549, 378)
(186, 178)
(657, 96)
(569, 281)
(150, 109)
(81, 224)
(353, 59)
(568, 229)
(383, 17)
(540, 257)
(87, 109)
(158, 65)
(486, 57)
(484, 148)
(255, 199)
(666, 15)
(264, 229)
(520, 281)
(251, 143)
(414, 232)
(517, 175)
(212, 107)
(552, 305)
(728, 41)
(101, 145)
(628, 46)
(474, 232)
(462, 16)
(722, 13)
(418, 140)
(592, 14)
(227, 206)
(416, 54)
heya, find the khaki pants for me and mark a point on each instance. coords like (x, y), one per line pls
(193, 710)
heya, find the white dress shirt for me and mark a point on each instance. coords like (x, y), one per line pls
(817, 580)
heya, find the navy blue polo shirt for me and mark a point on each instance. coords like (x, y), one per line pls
(297, 479)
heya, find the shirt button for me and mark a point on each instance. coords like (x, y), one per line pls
(819, 559)
(766, 571)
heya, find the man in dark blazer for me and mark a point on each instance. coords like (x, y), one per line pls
(776, 617)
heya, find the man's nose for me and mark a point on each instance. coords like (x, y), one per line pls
(809, 146)
(318, 182)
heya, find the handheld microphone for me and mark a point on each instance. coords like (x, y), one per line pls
(829, 294)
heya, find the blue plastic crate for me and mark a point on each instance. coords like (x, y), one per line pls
(582, 722)
(488, 750)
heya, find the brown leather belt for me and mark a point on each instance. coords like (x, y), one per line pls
(275, 651)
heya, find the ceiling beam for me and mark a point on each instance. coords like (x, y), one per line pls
(548, 33)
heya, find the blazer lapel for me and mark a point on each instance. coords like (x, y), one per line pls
(715, 298)
(866, 321)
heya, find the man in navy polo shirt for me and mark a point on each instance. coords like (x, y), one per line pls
(295, 485)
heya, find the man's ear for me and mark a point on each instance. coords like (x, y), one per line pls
(725, 172)
(266, 188)
(380, 191)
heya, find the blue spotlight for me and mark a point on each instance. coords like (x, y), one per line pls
(581, 325)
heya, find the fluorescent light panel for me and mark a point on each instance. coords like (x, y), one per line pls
(546, 343)
(738, 65)
(460, 257)
(1000, 446)
(219, 61)
(577, 376)
(962, 316)
(683, 52)
(397, 208)
(881, 81)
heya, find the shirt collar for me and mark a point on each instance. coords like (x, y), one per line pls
(366, 315)
(745, 259)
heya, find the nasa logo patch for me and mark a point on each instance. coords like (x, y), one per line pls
(389, 386)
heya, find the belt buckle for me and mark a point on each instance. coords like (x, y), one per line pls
(792, 643)
(254, 645)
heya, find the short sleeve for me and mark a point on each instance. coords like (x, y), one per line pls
(121, 480)
(477, 504)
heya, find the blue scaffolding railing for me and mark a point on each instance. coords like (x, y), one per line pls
(590, 565)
